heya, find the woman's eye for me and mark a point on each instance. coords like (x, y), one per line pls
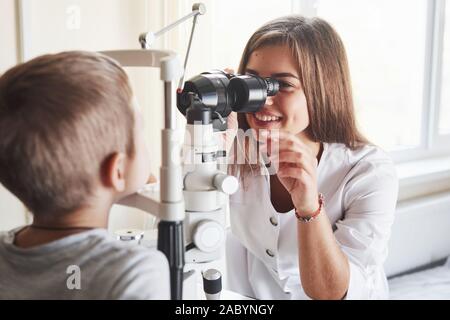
(285, 85)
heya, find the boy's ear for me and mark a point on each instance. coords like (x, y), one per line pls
(114, 171)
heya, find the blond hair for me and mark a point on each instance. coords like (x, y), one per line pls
(61, 116)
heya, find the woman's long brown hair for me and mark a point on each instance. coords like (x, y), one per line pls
(324, 74)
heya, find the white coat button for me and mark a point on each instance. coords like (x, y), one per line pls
(270, 253)
(273, 221)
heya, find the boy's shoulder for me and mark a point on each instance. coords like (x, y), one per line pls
(110, 269)
(97, 242)
(137, 272)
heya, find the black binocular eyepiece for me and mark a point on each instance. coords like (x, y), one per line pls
(249, 92)
(223, 93)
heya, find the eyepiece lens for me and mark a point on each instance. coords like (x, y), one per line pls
(273, 86)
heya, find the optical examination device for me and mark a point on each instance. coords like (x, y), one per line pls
(193, 197)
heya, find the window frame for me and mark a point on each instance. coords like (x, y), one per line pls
(432, 144)
(441, 141)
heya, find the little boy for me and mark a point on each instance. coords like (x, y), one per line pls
(71, 145)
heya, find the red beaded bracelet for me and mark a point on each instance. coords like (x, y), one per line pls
(315, 214)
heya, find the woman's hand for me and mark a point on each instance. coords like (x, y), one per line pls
(296, 169)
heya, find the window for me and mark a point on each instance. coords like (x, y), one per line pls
(385, 47)
(444, 121)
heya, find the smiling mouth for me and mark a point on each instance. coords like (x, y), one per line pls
(266, 118)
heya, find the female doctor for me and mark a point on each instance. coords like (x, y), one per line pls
(318, 228)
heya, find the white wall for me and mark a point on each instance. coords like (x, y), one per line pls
(8, 34)
(58, 25)
(12, 212)
(420, 234)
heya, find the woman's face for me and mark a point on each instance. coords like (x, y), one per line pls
(287, 110)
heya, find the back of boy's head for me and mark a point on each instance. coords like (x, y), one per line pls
(61, 117)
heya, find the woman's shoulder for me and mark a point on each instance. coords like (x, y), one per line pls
(368, 162)
(364, 154)
(369, 181)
